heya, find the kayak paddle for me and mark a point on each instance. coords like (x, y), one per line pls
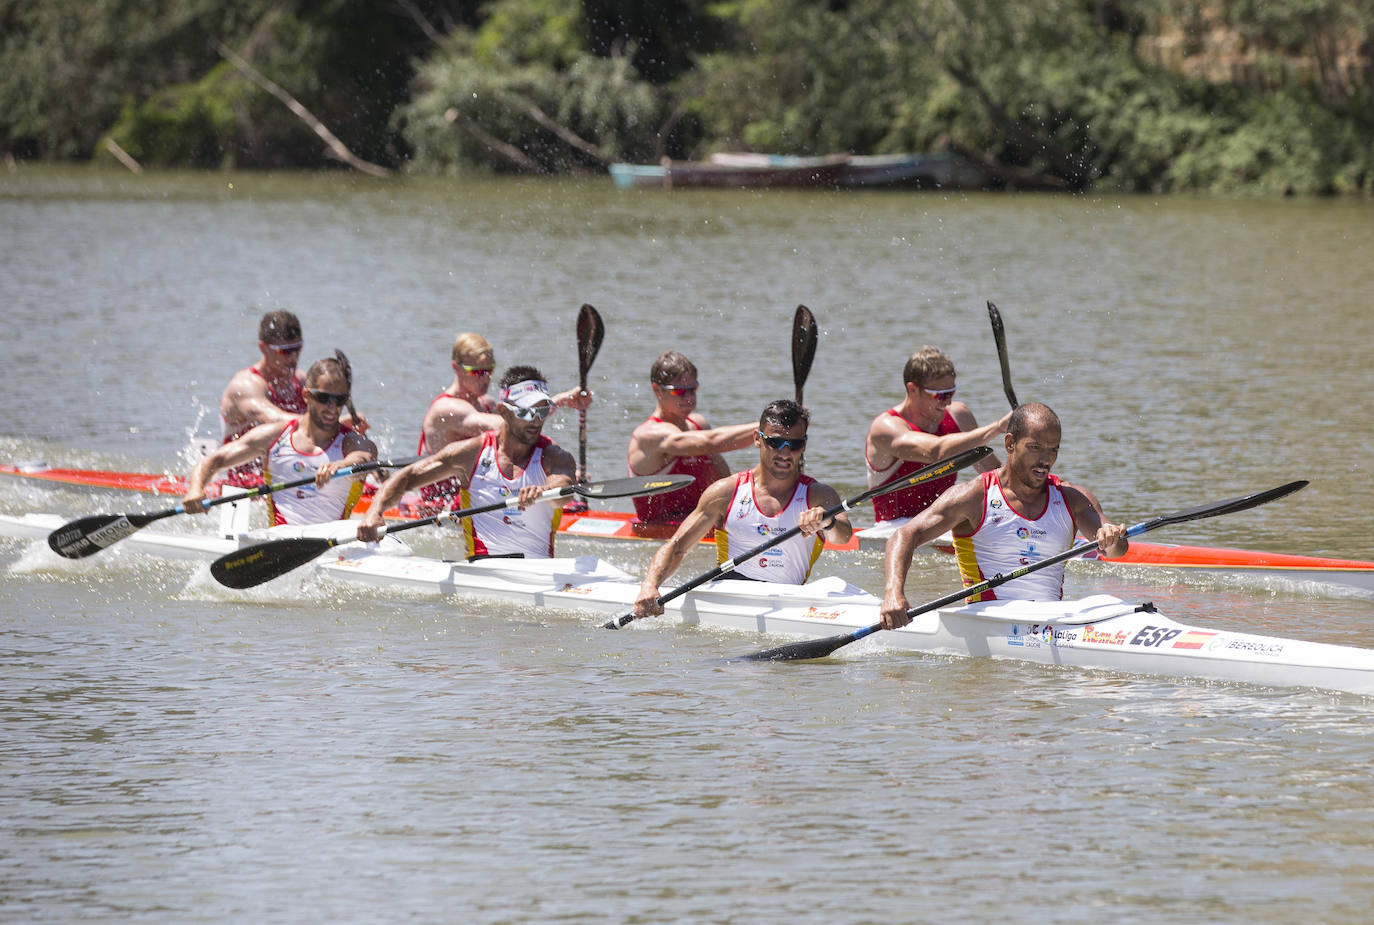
(253, 565)
(933, 471)
(86, 536)
(590, 333)
(820, 648)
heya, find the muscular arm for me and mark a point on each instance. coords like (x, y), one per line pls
(454, 460)
(961, 506)
(710, 511)
(890, 437)
(357, 450)
(821, 498)
(559, 472)
(1089, 521)
(452, 419)
(964, 418)
(573, 398)
(246, 399)
(250, 446)
(654, 442)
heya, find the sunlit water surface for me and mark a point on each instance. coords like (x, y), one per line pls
(175, 752)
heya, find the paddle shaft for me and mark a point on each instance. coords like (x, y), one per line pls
(819, 648)
(271, 489)
(933, 471)
(88, 535)
(246, 568)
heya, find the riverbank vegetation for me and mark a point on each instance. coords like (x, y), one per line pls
(1157, 95)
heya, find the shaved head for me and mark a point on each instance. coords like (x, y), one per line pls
(1031, 416)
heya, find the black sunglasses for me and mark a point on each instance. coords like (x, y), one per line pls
(329, 398)
(783, 443)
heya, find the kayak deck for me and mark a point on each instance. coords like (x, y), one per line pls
(1099, 632)
(1307, 573)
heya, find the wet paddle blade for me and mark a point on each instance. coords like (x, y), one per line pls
(590, 333)
(999, 335)
(248, 568)
(86, 536)
(632, 487)
(803, 346)
(799, 651)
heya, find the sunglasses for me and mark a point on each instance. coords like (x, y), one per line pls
(783, 443)
(328, 398)
(477, 370)
(536, 413)
(285, 348)
(677, 391)
(939, 394)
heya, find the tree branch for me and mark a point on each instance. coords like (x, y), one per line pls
(491, 142)
(336, 147)
(563, 132)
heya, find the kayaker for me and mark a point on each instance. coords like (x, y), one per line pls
(466, 409)
(269, 391)
(746, 508)
(1017, 515)
(677, 440)
(514, 459)
(317, 441)
(927, 426)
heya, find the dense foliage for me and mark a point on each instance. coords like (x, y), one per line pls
(1262, 96)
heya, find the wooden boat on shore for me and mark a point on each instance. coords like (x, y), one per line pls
(1099, 632)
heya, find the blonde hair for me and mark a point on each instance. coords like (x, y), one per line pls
(470, 346)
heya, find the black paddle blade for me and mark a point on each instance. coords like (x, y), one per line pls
(590, 333)
(803, 346)
(999, 336)
(88, 535)
(799, 651)
(638, 486)
(250, 567)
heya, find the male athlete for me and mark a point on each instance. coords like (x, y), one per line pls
(515, 459)
(314, 443)
(1004, 520)
(676, 440)
(748, 508)
(465, 409)
(928, 425)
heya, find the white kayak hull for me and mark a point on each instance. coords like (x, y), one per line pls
(1099, 632)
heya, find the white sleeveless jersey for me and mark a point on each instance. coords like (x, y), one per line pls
(509, 530)
(1005, 540)
(308, 504)
(746, 527)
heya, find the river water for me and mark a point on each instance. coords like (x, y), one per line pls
(175, 752)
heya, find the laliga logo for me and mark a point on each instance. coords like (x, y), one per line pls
(763, 530)
(1022, 533)
(298, 466)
